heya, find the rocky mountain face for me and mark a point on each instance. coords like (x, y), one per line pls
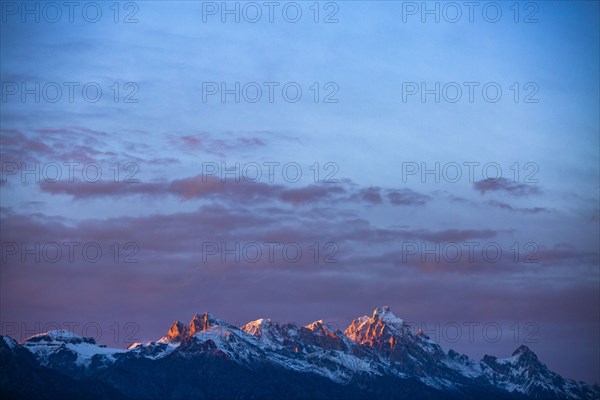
(377, 357)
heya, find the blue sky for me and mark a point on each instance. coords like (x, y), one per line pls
(369, 55)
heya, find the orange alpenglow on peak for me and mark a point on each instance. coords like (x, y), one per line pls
(199, 323)
(176, 332)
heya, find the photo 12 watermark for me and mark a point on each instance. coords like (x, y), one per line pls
(269, 92)
(68, 171)
(469, 171)
(470, 92)
(69, 92)
(470, 252)
(269, 252)
(252, 12)
(68, 252)
(477, 331)
(270, 172)
(55, 12)
(114, 332)
(452, 12)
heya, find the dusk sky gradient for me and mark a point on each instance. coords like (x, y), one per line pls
(370, 213)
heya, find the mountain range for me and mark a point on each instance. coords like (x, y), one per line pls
(376, 357)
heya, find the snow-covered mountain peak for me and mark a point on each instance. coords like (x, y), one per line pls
(199, 323)
(381, 310)
(10, 342)
(379, 328)
(378, 347)
(318, 327)
(524, 351)
(134, 345)
(176, 333)
(270, 333)
(523, 372)
(255, 326)
(523, 356)
(63, 336)
(385, 314)
(179, 332)
(54, 347)
(204, 322)
(261, 328)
